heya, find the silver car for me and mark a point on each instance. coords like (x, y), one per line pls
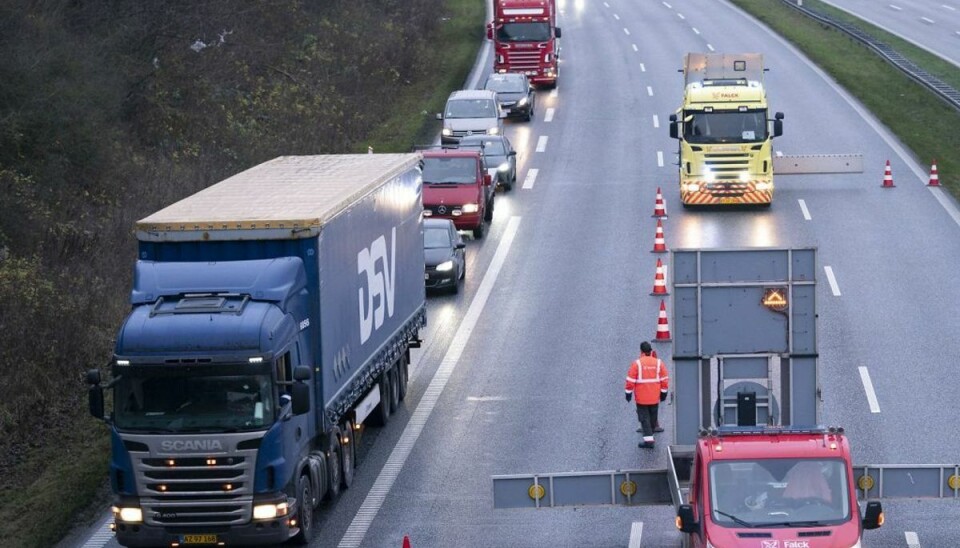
(470, 112)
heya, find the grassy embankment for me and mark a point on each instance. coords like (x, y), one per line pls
(923, 122)
(59, 484)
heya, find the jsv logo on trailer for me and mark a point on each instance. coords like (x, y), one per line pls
(380, 284)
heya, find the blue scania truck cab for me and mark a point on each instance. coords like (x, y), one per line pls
(272, 317)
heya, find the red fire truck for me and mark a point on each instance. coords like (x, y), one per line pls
(526, 39)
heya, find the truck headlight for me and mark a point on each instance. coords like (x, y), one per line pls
(504, 167)
(447, 131)
(493, 131)
(471, 208)
(691, 187)
(128, 515)
(270, 511)
(764, 186)
(445, 266)
(522, 102)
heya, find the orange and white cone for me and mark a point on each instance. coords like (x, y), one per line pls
(659, 244)
(888, 177)
(659, 281)
(663, 325)
(660, 208)
(934, 176)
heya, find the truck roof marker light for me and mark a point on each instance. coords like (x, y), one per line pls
(228, 487)
(211, 462)
(171, 462)
(742, 108)
(258, 359)
(123, 363)
(161, 488)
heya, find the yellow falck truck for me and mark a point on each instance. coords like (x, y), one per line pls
(724, 131)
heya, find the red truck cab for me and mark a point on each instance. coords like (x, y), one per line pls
(774, 487)
(526, 39)
(456, 186)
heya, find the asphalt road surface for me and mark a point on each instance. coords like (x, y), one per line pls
(525, 366)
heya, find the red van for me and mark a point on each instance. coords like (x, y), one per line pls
(457, 187)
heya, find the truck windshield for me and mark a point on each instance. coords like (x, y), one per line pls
(725, 127)
(779, 492)
(523, 32)
(460, 170)
(192, 400)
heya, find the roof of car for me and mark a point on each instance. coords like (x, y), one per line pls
(450, 152)
(437, 223)
(506, 76)
(473, 94)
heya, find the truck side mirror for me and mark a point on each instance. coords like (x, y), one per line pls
(686, 521)
(489, 31)
(873, 518)
(557, 33)
(300, 390)
(778, 124)
(512, 153)
(96, 401)
(93, 377)
(673, 127)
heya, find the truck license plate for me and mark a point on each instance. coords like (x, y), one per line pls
(198, 539)
(728, 200)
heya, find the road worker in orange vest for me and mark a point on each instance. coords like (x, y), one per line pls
(647, 382)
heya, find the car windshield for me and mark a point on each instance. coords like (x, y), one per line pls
(506, 85)
(492, 147)
(462, 170)
(471, 108)
(725, 127)
(436, 238)
(523, 32)
(209, 399)
(779, 492)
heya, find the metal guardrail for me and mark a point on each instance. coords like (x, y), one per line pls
(943, 90)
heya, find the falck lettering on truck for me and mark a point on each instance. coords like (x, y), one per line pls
(380, 283)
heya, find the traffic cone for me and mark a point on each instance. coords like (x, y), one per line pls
(934, 177)
(663, 325)
(406, 541)
(659, 283)
(659, 245)
(888, 177)
(660, 208)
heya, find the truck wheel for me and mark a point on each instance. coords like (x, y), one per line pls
(394, 390)
(304, 512)
(478, 232)
(381, 415)
(349, 452)
(488, 213)
(404, 375)
(333, 468)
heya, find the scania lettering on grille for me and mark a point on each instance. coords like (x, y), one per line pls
(191, 445)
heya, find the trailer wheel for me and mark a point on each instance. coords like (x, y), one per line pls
(381, 415)
(404, 369)
(349, 452)
(304, 511)
(333, 467)
(394, 390)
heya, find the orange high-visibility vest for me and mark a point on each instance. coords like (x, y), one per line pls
(647, 378)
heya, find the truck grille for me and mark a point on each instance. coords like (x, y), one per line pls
(196, 489)
(523, 60)
(727, 163)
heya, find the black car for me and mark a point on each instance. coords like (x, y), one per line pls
(499, 157)
(514, 93)
(445, 262)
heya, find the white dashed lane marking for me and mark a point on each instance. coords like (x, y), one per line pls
(659, 158)
(834, 288)
(531, 178)
(548, 117)
(868, 388)
(803, 208)
(656, 121)
(542, 143)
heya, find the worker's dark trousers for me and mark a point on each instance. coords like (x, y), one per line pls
(647, 414)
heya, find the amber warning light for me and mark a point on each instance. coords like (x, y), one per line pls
(775, 299)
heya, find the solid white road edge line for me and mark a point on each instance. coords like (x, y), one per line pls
(803, 208)
(636, 532)
(411, 432)
(531, 178)
(834, 288)
(868, 388)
